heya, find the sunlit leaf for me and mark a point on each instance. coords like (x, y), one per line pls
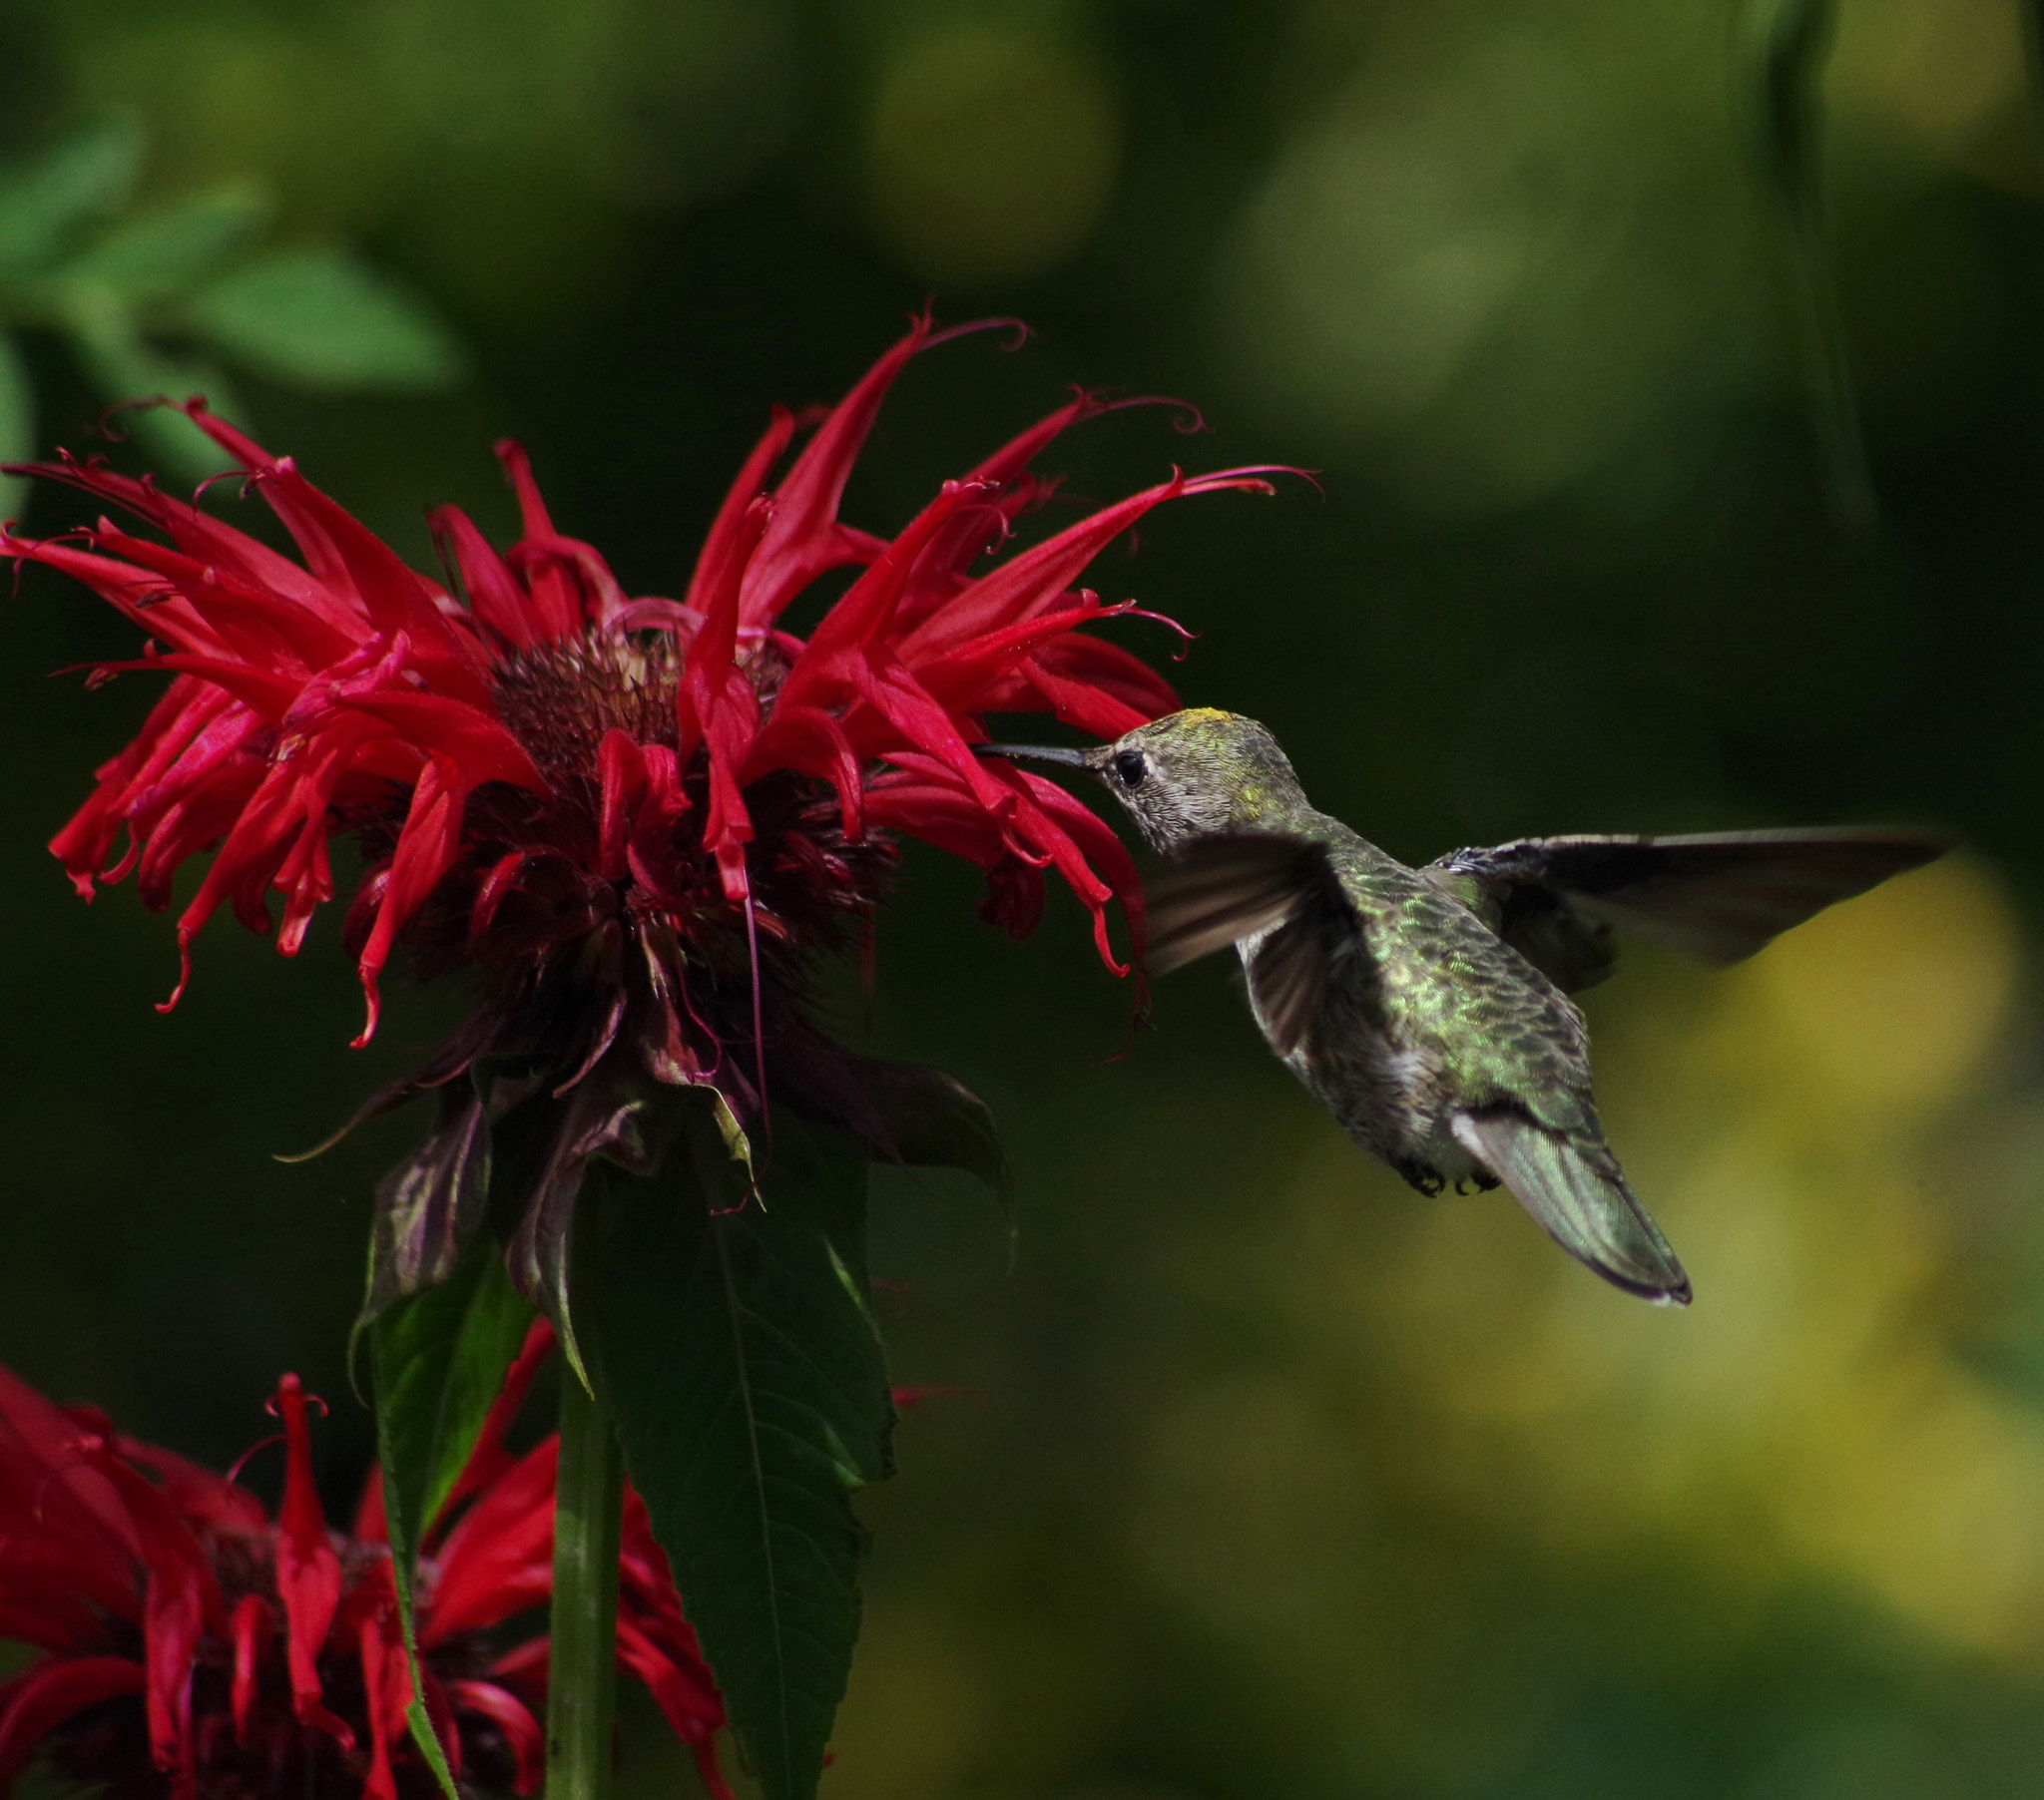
(437, 1361)
(733, 1341)
(320, 318)
(167, 249)
(17, 425)
(44, 199)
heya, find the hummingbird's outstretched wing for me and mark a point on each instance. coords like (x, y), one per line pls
(1579, 1196)
(1224, 889)
(1718, 896)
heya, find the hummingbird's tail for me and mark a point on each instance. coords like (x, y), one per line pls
(1580, 1199)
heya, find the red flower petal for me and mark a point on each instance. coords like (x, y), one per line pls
(510, 1715)
(51, 1693)
(307, 1570)
(183, 1602)
(251, 1631)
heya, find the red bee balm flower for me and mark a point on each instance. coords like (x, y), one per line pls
(190, 1642)
(635, 819)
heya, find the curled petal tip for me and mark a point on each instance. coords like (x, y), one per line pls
(374, 1010)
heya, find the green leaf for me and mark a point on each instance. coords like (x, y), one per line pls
(1787, 43)
(167, 248)
(320, 319)
(437, 1361)
(732, 1342)
(125, 366)
(44, 199)
(17, 426)
(404, 1577)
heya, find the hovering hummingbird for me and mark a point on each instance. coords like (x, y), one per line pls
(1427, 1009)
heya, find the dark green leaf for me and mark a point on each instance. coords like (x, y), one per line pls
(320, 319)
(430, 1206)
(437, 1361)
(44, 199)
(167, 249)
(731, 1339)
(17, 426)
(125, 366)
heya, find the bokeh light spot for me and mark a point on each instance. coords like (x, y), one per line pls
(1893, 999)
(991, 152)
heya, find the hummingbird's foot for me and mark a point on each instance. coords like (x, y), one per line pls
(1476, 1181)
(1421, 1175)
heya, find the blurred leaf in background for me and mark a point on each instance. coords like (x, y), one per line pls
(146, 295)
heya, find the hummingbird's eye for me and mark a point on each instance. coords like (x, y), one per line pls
(1130, 769)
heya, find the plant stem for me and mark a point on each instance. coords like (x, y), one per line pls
(589, 1499)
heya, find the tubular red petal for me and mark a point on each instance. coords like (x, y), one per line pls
(386, 1692)
(142, 598)
(593, 595)
(307, 1570)
(269, 697)
(493, 591)
(368, 1526)
(197, 1492)
(554, 608)
(621, 784)
(463, 734)
(258, 623)
(41, 1448)
(723, 554)
(1097, 666)
(205, 539)
(425, 851)
(967, 672)
(489, 1461)
(250, 1631)
(511, 1716)
(347, 557)
(1040, 575)
(179, 720)
(54, 1691)
(804, 539)
(183, 1602)
(498, 1558)
(863, 615)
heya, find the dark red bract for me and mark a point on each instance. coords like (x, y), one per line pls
(192, 1644)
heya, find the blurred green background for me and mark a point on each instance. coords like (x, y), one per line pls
(1276, 1478)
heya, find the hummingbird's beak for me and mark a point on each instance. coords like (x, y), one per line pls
(1039, 752)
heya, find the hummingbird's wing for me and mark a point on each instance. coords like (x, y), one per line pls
(1579, 1196)
(1718, 896)
(1224, 889)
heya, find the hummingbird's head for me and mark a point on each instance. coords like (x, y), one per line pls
(1186, 776)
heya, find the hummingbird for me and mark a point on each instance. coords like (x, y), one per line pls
(1429, 1008)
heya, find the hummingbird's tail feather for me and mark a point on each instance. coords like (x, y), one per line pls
(1580, 1199)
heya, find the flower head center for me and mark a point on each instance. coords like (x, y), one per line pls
(559, 699)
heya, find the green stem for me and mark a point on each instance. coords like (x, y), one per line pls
(582, 1666)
